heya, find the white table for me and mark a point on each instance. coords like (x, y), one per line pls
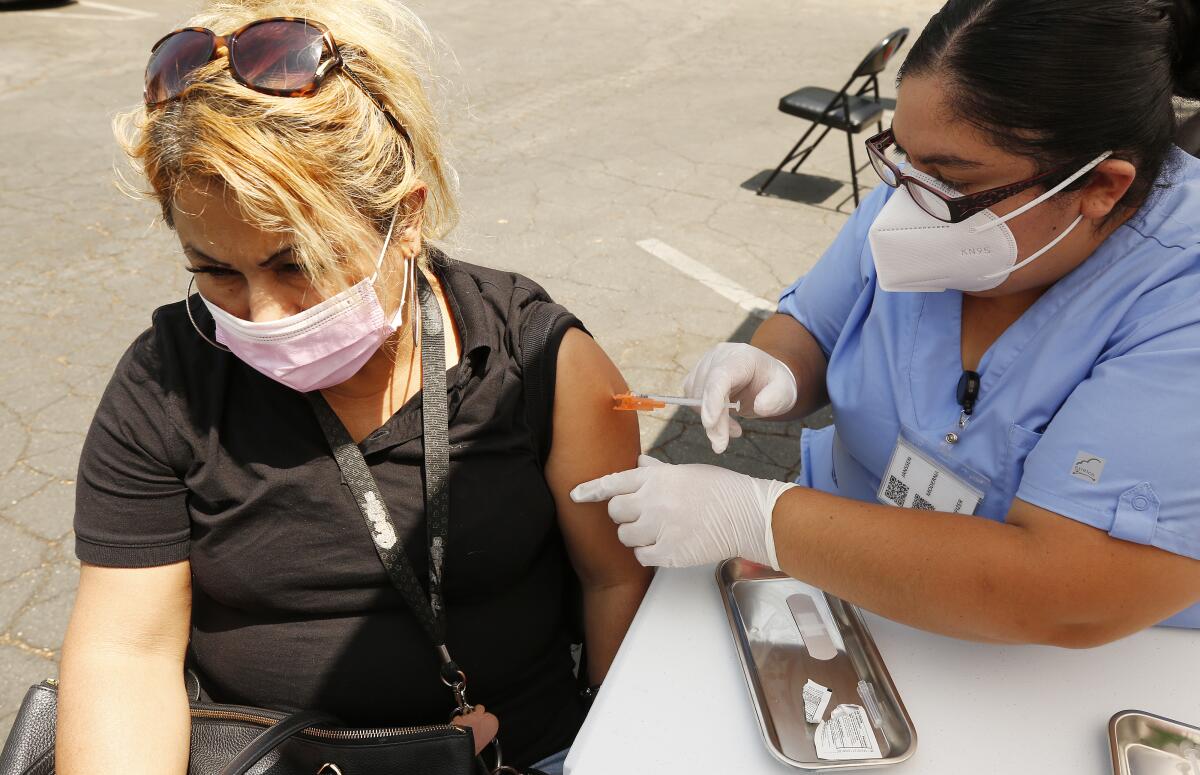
(675, 700)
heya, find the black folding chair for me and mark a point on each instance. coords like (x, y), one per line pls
(840, 110)
(1187, 136)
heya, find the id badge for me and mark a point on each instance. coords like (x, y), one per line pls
(918, 477)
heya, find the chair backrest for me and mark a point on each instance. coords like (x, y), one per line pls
(877, 60)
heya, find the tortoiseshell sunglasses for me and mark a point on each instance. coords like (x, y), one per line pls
(282, 56)
(943, 206)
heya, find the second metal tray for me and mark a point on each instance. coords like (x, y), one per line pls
(836, 652)
(1146, 744)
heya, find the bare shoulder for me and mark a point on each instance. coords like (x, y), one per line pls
(585, 383)
(582, 360)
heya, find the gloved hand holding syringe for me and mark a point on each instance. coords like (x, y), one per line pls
(729, 377)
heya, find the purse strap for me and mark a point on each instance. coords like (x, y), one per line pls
(430, 611)
(273, 737)
(435, 414)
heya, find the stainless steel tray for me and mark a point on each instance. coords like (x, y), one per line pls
(1146, 744)
(777, 663)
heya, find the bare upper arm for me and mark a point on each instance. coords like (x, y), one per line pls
(145, 611)
(589, 441)
(1100, 587)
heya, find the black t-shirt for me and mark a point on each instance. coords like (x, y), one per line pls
(194, 455)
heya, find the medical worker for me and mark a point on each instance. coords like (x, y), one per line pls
(1008, 331)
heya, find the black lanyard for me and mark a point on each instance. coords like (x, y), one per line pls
(431, 610)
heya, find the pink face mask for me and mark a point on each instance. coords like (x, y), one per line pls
(322, 346)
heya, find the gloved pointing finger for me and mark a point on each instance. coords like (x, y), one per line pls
(608, 486)
(684, 515)
(612, 485)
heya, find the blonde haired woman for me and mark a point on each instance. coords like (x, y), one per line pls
(294, 152)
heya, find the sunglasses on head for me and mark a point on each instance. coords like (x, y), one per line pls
(282, 56)
(944, 206)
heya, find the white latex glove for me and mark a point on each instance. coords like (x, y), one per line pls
(733, 371)
(677, 516)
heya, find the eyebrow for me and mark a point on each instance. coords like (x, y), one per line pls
(209, 259)
(939, 159)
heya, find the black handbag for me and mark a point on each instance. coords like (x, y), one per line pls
(230, 739)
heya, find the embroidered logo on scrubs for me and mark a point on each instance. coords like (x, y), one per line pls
(382, 532)
(1088, 467)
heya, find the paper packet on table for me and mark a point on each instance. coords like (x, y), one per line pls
(847, 734)
(816, 700)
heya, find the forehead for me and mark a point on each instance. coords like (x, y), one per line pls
(927, 126)
(197, 198)
(208, 217)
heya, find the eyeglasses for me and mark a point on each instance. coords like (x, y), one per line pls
(950, 208)
(281, 56)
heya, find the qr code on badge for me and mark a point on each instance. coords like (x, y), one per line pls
(896, 491)
(921, 503)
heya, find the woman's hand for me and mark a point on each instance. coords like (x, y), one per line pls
(684, 515)
(763, 385)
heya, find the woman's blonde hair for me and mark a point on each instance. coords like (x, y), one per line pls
(328, 168)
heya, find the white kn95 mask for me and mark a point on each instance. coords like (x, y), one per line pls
(913, 251)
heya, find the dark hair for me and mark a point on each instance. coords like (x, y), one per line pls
(1062, 81)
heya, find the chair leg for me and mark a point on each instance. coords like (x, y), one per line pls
(808, 151)
(786, 159)
(853, 166)
(875, 88)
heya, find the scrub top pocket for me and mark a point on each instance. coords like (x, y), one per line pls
(1021, 442)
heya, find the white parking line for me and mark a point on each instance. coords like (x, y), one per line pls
(116, 13)
(755, 305)
(137, 12)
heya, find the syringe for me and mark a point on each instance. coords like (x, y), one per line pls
(643, 402)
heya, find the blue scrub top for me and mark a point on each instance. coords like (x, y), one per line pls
(1105, 366)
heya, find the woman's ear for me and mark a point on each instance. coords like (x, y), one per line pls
(413, 208)
(1108, 183)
